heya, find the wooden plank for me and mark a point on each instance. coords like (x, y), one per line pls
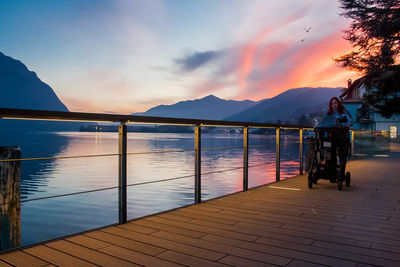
(238, 230)
(137, 257)
(280, 251)
(166, 244)
(272, 220)
(126, 243)
(180, 218)
(218, 218)
(171, 229)
(19, 258)
(297, 263)
(139, 228)
(88, 254)
(205, 229)
(390, 248)
(279, 220)
(390, 230)
(226, 249)
(203, 206)
(358, 250)
(190, 216)
(56, 257)
(333, 253)
(188, 260)
(4, 264)
(241, 262)
(342, 235)
(377, 234)
(88, 242)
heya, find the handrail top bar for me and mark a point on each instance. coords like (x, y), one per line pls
(30, 114)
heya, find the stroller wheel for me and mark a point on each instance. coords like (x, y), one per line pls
(339, 184)
(347, 179)
(310, 180)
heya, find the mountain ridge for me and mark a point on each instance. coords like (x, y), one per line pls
(209, 107)
(23, 89)
(288, 105)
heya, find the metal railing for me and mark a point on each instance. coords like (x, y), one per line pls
(123, 120)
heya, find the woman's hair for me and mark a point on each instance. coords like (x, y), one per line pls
(340, 106)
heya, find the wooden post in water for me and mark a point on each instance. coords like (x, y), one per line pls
(10, 197)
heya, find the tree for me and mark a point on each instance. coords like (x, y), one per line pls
(375, 34)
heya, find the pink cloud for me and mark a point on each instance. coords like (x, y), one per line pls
(250, 49)
(270, 53)
(310, 65)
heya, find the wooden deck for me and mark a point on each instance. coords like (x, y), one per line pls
(266, 226)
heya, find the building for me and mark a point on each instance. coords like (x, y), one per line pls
(363, 117)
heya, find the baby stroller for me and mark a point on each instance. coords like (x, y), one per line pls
(331, 149)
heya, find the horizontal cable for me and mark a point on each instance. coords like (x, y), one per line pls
(164, 180)
(100, 189)
(131, 153)
(68, 194)
(129, 185)
(226, 170)
(158, 152)
(220, 148)
(64, 157)
(114, 154)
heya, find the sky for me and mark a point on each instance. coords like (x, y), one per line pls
(126, 56)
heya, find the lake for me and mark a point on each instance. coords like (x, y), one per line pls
(222, 174)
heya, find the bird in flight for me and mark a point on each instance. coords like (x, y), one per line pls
(302, 40)
(307, 29)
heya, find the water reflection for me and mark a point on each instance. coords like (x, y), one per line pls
(50, 218)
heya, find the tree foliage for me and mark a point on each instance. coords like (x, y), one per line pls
(374, 32)
(375, 35)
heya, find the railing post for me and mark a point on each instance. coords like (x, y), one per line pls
(245, 158)
(278, 153)
(352, 144)
(301, 150)
(122, 158)
(197, 164)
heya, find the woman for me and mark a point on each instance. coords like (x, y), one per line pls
(343, 118)
(337, 109)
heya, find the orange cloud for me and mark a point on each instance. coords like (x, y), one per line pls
(270, 53)
(311, 65)
(250, 49)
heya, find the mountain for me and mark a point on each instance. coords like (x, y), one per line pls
(288, 105)
(208, 108)
(21, 88)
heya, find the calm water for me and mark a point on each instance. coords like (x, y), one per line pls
(50, 218)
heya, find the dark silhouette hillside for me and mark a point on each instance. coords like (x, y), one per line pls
(21, 88)
(289, 105)
(209, 107)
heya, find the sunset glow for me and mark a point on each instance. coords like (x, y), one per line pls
(129, 56)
